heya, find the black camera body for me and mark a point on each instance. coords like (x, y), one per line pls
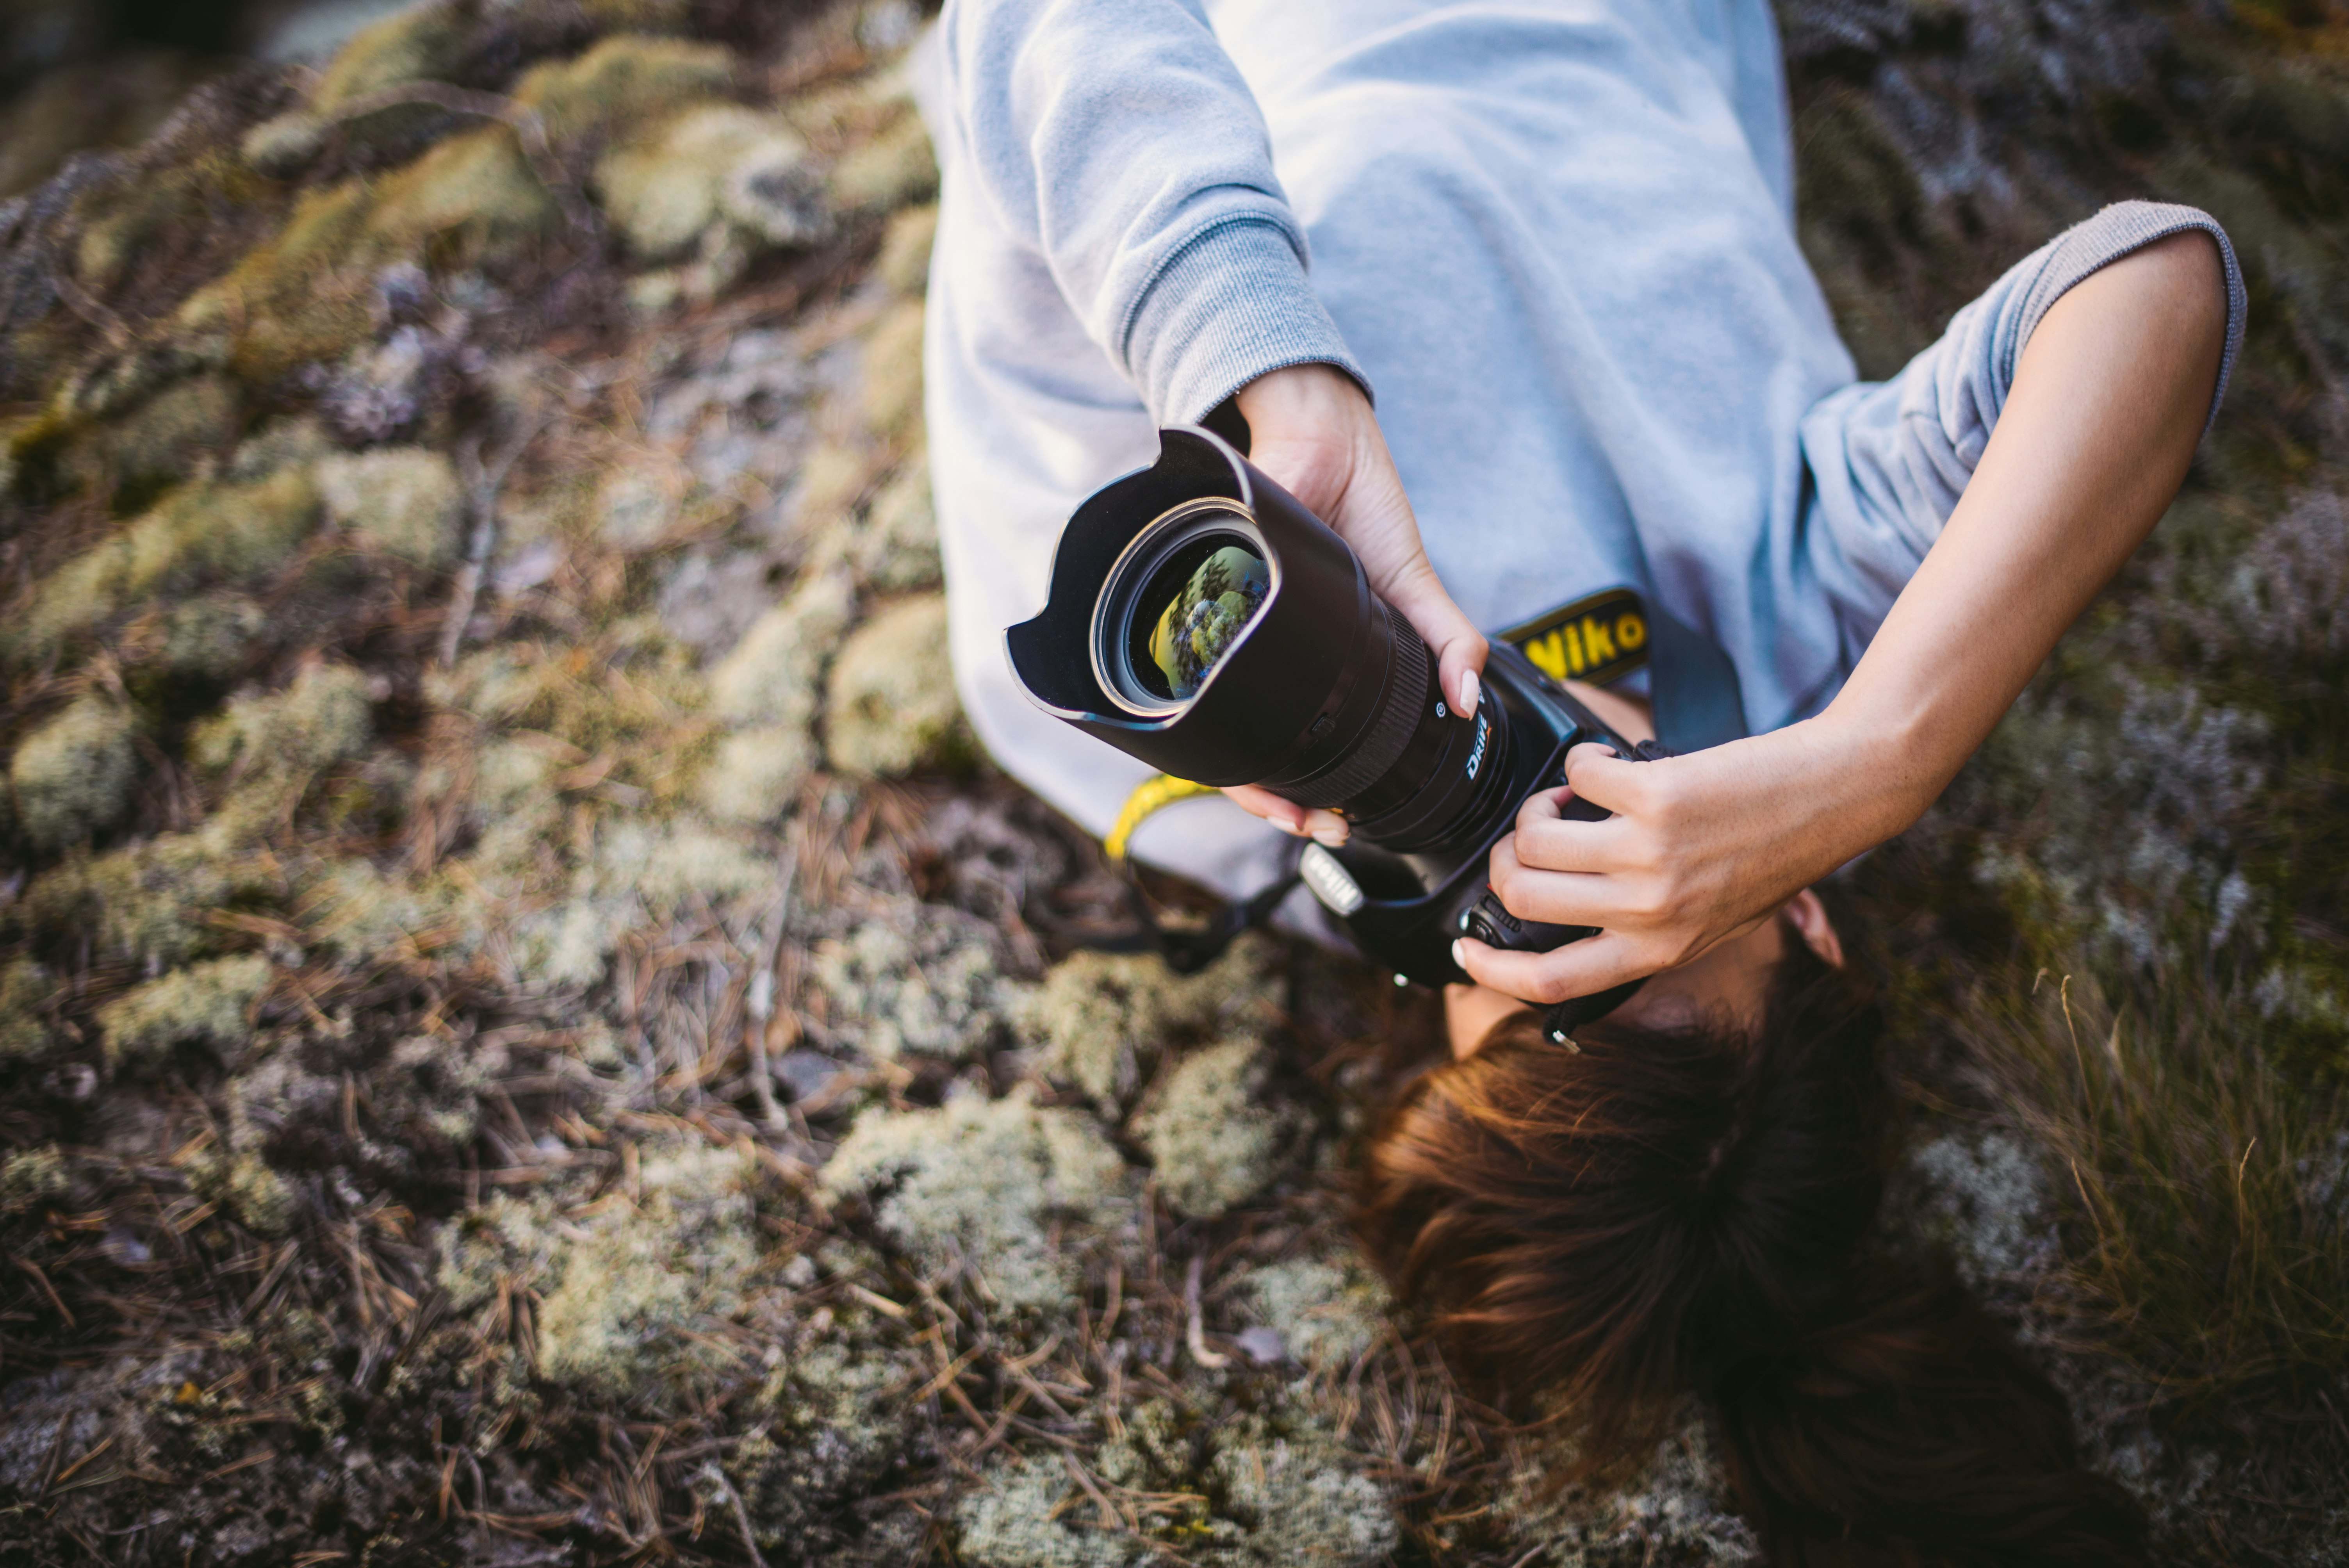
(1202, 621)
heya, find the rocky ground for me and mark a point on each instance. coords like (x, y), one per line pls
(528, 1033)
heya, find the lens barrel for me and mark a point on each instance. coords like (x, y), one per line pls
(1325, 695)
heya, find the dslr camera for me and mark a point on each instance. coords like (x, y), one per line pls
(1202, 621)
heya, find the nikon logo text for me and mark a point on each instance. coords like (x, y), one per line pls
(1601, 638)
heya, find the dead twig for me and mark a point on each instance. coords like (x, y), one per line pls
(1196, 1334)
(482, 486)
(528, 126)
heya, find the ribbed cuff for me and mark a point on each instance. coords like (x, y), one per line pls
(2099, 242)
(1230, 305)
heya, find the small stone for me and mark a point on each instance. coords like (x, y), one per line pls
(1263, 1346)
(777, 198)
(808, 1074)
(709, 601)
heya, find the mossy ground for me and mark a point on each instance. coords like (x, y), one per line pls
(526, 1035)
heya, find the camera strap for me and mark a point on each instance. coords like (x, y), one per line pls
(1187, 949)
(1606, 636)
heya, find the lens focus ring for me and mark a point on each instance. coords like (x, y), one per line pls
(1412, 676)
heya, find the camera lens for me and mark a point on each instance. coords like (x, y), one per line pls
(1204, 622)
(1176, 602)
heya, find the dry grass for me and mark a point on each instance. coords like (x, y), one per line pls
(2205, 1241)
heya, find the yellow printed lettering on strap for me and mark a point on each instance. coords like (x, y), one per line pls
(1599, 638)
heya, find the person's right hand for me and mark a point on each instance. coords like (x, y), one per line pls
(1312, 431)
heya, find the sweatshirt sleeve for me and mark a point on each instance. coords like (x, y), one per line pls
(1117, 138)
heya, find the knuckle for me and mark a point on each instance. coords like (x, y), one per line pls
(1547, 989)
(1660, 797)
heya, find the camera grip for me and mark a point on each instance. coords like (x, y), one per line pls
(1489, 921)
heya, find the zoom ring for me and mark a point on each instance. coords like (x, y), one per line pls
(1390, 730)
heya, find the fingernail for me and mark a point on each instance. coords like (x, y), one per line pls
(1292, 828)
(1330, 838)
(1468, 692)
(1460, 953)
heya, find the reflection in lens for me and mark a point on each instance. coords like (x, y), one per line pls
(1200, 621)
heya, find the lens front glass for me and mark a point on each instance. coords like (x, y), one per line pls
(1176, 603)
(1216, 601)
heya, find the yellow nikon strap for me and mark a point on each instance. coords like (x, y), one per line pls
(1156, 793)
(1598, 639)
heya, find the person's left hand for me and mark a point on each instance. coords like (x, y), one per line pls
(1314, 434)
(1699, 848)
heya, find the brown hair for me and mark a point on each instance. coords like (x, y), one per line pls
(1676, 1211)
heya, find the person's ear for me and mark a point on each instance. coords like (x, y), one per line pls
(1809, 916)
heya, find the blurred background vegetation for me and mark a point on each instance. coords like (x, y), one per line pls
(528, 1033)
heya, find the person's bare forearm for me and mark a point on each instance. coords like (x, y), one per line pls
(2108, 401)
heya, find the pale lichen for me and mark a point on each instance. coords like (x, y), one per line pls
(895, 166)
(1017, 1516)
(150, 903)
(767, 690)
(912, 977)
(416, 43)
(323, 718)
(893, 371)
(362, 915)
(1213, 1141)
(30, 1175)
(892, 548)
(774, 672)
(209, 636)
(757, 772)
(1327, 1310)
(243, 1183)
(25, 985)
(623, 81)
(73, 775)
(631, 869)
(904, 260)
(1987, 1198)
(404, 502)
(1677, 1503)
(1100, 1020)
(711, 164)
(222, 532)
(831, 1418)
(1258, 1489)
(632, 1286)
(891, 707)
(973, 1188)
(208, 1003)
(1299, 1497)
